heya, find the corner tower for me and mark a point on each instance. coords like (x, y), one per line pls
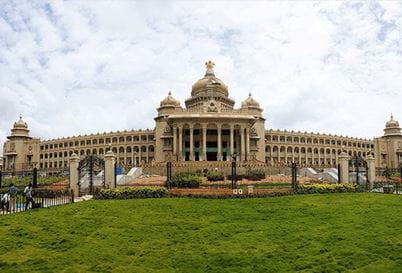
(20, 151)
(388, 148)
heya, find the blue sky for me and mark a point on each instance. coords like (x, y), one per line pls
(80, 67)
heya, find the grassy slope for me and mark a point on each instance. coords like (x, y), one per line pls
(319, 233)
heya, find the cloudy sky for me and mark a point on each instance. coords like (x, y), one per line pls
(76, 67)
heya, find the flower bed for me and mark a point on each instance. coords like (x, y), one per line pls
(327, 188)
(227, 193)
(131, 193)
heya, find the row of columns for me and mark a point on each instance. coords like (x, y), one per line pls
(178, 142)
(305, 157)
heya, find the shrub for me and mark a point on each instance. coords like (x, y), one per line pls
(185, 180)
(215, 176)
(131, 193)
(327, 188)
(255, 174)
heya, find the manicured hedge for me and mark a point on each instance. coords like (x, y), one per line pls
(215, 176)
(186, 180)
(327, 188)
(131, 193)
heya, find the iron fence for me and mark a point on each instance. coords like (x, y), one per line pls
(390, 187)
(40, 199)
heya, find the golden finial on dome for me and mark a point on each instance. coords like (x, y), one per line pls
(392, 117)
(170, 93)
(249, 94)
(210, 68)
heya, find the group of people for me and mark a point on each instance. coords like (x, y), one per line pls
(8, 201)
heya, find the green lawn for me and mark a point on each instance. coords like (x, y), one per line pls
(310, 233)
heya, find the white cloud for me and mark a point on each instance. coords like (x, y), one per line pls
(75, 67)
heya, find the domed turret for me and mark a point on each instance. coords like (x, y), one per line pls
(20, 129)
(209, 83)
(392, 123)
(170, 101)
(250, 102)
(392, 127)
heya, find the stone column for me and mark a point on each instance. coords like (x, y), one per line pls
(371, 170)
(286, 154)
(242, 144)
(191, 143)
(219, 129)
(174, 142)
(110, 160)
(344, 167)
(231, 141)
(248, 143)
(180, 143)
(204, 142)
(74, 179)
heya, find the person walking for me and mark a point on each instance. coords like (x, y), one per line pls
(13, 191)
(28, 196)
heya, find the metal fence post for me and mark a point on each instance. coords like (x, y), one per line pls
(339, 173)
(72, 196)
(168, 173)
(1, 177)
(115, 174)
(400, 172)
(35, 178)
(234, 174)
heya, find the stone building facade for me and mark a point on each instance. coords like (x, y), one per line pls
(207, 128)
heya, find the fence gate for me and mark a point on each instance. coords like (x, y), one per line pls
(358, 170)
(91, 174)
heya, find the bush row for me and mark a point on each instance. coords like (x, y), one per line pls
(327, 188)
(131, 193)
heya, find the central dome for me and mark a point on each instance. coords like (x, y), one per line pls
(209, 83)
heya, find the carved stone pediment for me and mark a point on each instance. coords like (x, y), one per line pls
(212, 106)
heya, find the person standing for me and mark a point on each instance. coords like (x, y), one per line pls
(28, 195)
(5, 203)
(13, 191)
